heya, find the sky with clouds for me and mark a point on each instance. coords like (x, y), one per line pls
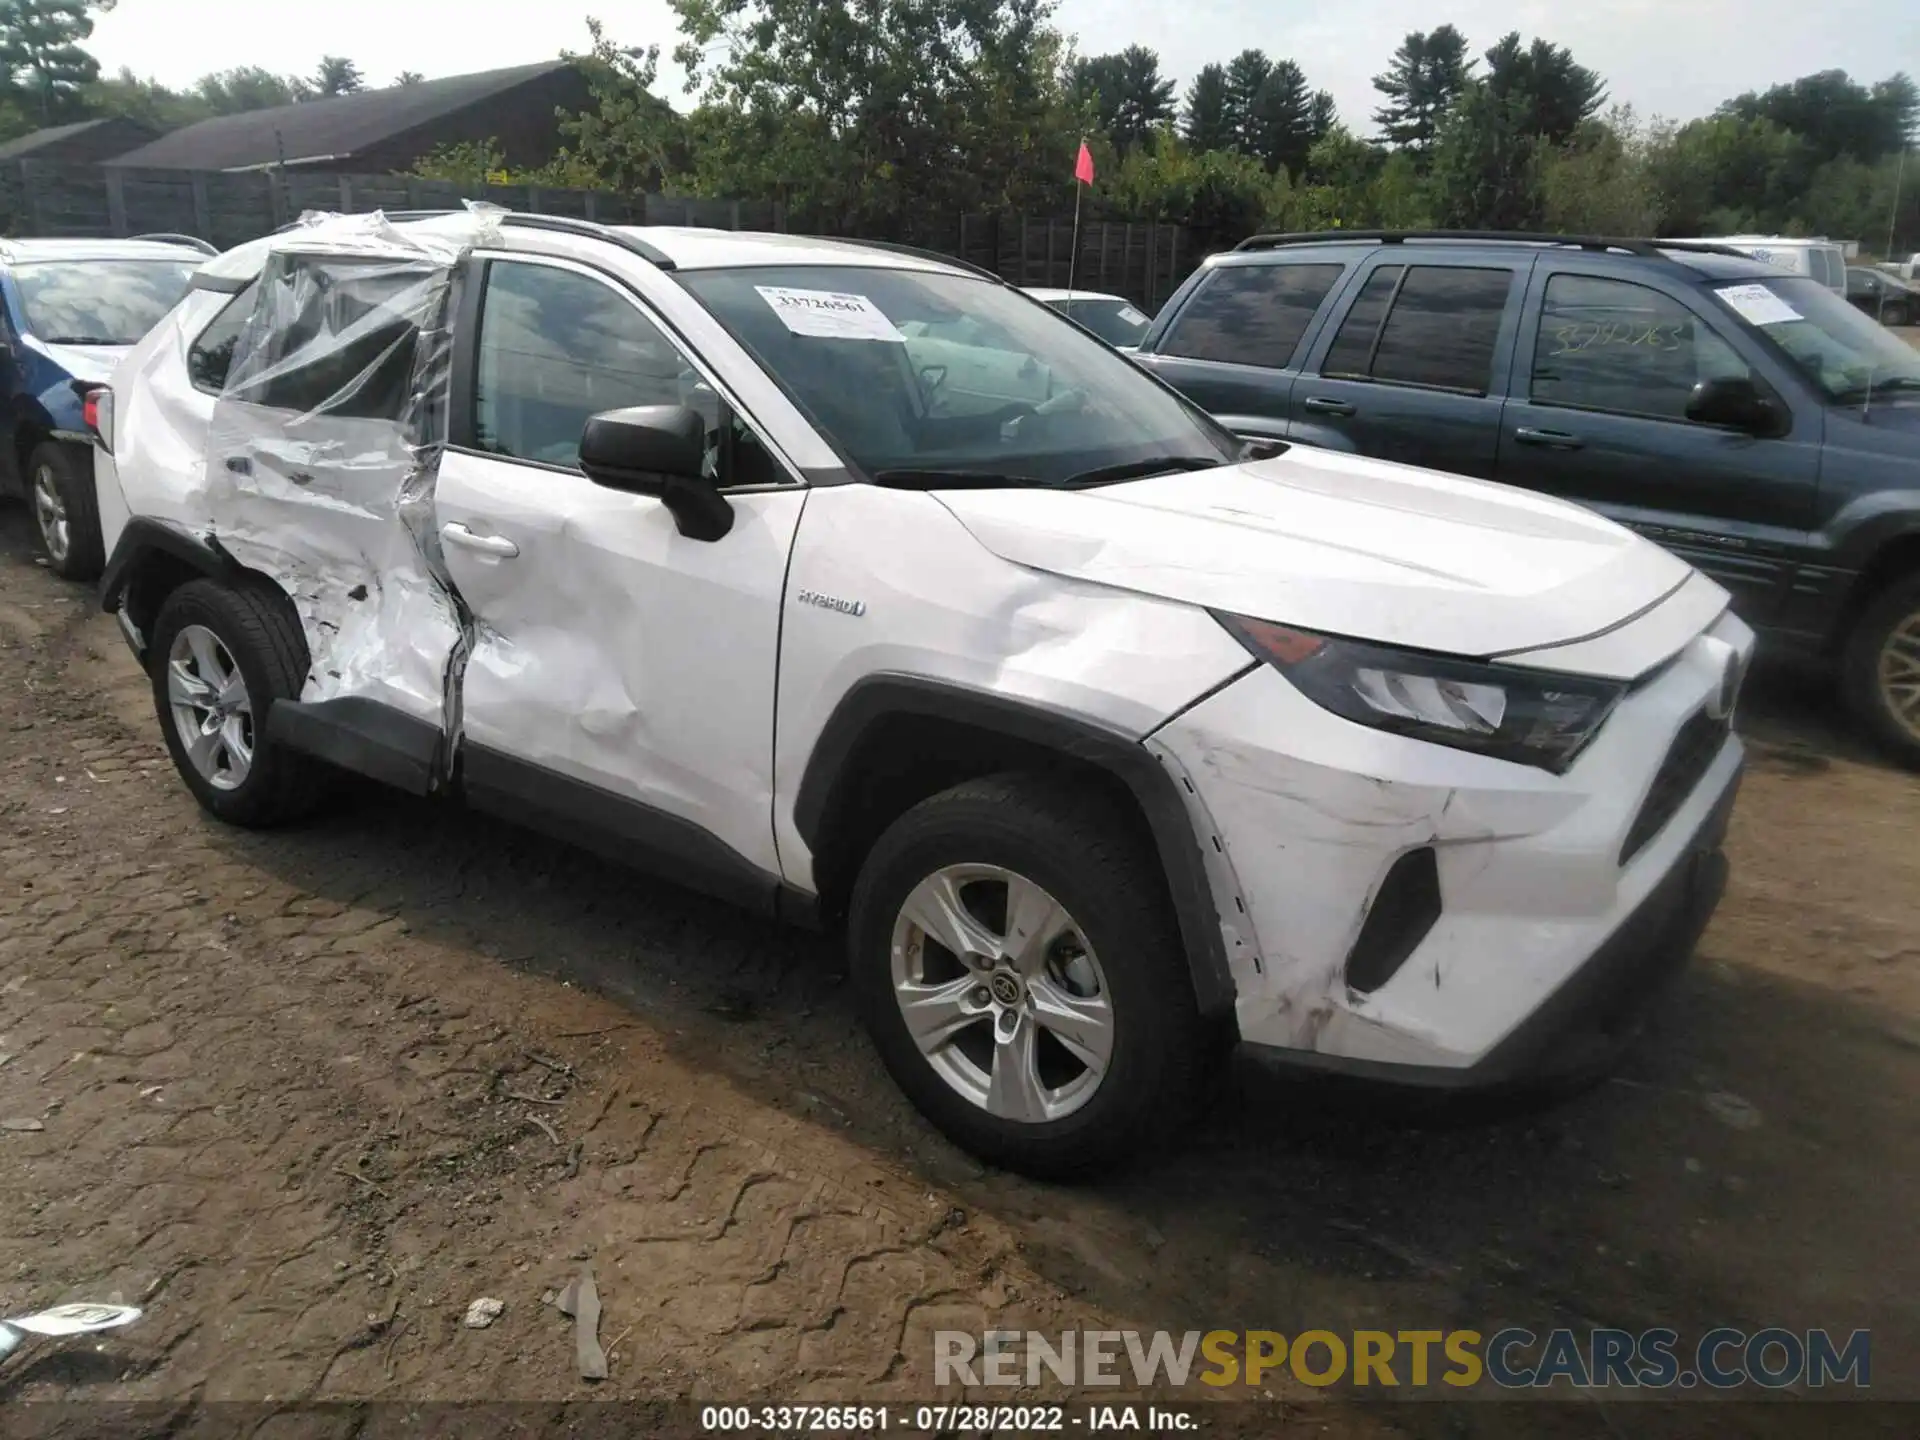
(1677, 58)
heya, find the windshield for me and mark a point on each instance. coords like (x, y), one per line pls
(914, 373)
(99, 302)
(1850, 356)
(1114, 321)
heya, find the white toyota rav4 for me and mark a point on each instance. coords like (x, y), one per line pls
(1107, 739)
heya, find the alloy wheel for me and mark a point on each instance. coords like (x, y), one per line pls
(211, 708)
(1900, 673)
(1002, 993)
(50, 513)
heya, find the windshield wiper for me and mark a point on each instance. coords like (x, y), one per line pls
(80, 340)
(1141, 469)
(954, 480)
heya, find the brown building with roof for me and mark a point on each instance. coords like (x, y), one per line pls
(381, 131)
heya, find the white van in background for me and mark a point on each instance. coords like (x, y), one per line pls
(1817, 257)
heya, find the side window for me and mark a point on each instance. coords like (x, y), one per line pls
(210, 357)
(1616, 346)
(1352, 352)
(334, 335)
(556, 347)
(1439, 331)
(1251, 314)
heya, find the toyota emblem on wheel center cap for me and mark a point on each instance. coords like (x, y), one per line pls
(1006, 987)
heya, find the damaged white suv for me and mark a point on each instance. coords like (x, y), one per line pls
(858, 587)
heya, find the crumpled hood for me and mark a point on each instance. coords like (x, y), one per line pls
(86, 362)
(1341, 544)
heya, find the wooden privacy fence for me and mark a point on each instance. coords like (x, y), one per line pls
(1144, 262)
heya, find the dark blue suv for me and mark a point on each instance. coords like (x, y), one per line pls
(69, 309)
(1748, 419)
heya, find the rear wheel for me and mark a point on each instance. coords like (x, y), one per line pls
(1882, 670)
(66, 512)
(1023, 978)
(221, 657)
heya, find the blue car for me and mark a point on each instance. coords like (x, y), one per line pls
(69, 309)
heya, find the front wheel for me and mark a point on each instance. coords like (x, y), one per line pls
(1023, 978)
(66, 511)
(1881, 670)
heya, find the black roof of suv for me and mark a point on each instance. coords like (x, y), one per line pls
(1745, 417)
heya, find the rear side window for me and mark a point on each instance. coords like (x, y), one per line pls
(1440, 328)
(337, 336)
(1251, 314)
(210, 357)
(1352, 352)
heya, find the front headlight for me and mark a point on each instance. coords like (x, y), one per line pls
(1533, 717)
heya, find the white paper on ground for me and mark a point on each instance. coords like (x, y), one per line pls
(828, 314)
(1758, 305)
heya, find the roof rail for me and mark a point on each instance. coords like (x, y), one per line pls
(561, 224)
(205, 247)
(920, 252)
(576, 225)
(1652, 248)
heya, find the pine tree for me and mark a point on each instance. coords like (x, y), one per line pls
(1427, 74)
(1207, 121)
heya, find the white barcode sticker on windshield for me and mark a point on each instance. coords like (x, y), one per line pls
(1757, 305)
(1132, 316)
(829, 315)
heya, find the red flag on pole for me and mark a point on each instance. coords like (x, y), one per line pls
(1083, 166)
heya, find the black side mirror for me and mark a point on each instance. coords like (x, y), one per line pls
(1733, 401)
(658, 450)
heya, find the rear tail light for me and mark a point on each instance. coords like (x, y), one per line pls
(96, 411)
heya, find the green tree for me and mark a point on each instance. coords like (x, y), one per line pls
(145, 100)
(1280, 128)
(1322, 115)
(470, 163)
(337, 75)
(1483, 171)
(1601, 181)
(1207, 122)
(1220, 194)
(1247, 75)
(866, 114)
(408, 77)
(1835, 116)
(629, 138)
(1724, 175)
(1426, 76)
(1126, 92)
(249, 87)
(1545, 92)
(45, 65)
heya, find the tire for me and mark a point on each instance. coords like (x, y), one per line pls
(214, 631)
(1117, 943)
(1881, 670)
(66, 510)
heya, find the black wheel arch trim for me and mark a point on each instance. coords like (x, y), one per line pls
(142, 539)
(880, 697)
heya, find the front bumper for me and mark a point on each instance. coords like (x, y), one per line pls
(1590, 1018)
(1557, 918)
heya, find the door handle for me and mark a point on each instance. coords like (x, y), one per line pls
(454, 533)
(1321, 405)
(1551, 439)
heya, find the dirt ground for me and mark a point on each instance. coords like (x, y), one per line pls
(306, 1095)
